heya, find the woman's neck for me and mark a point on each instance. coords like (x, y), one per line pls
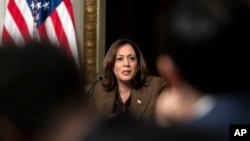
(124, 90)
(124, 87)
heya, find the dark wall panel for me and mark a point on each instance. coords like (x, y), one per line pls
(139, 20)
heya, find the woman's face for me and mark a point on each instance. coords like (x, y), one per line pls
(125, 67)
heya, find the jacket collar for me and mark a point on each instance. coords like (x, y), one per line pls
(139, 101)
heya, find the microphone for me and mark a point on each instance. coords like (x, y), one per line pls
(98, 79)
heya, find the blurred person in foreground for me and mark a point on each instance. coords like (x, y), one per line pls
(127, 88)
(41, 95)
(205, 60)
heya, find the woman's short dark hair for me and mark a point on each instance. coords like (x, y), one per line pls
(109, 61)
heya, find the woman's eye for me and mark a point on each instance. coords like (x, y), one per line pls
(118, 59)
(132, 58)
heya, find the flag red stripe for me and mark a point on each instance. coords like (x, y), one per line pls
(42, 33)
(19, 19)
(62, 38)
(69, 6)
(6, 38)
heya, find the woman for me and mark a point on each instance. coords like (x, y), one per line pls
(127, 88)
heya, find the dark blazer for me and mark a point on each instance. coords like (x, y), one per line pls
(228, 109)
(142, 104)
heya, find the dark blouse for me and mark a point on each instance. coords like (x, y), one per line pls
(119, 107)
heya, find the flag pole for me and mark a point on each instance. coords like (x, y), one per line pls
(35, 14)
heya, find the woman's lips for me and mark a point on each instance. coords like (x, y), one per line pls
(126, 72)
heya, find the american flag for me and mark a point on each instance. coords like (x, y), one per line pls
(42, 20)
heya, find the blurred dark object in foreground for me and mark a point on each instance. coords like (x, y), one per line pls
(41, 94)
(123, 128)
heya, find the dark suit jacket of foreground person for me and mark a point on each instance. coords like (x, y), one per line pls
(142, 100)
(228, 110)
(123, 128)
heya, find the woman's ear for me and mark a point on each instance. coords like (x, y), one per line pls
(167, 69)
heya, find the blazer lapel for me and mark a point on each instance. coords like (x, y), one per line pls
(139, 103)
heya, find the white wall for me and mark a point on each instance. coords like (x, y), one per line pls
(101, 20)
(2, 13)
(2, 5)
(78, 8)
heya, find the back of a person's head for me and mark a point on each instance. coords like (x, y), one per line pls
(37, 82)
(208, 40)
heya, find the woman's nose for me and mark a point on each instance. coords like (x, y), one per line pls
(126, 62)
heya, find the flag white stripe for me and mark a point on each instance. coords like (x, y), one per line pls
(13, 29)
(27, 15)
(50, 31)
(68, 28)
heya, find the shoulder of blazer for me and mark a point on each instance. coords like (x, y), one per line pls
(155, 80)
(100, 91)
(99, 86)
(155, 84)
